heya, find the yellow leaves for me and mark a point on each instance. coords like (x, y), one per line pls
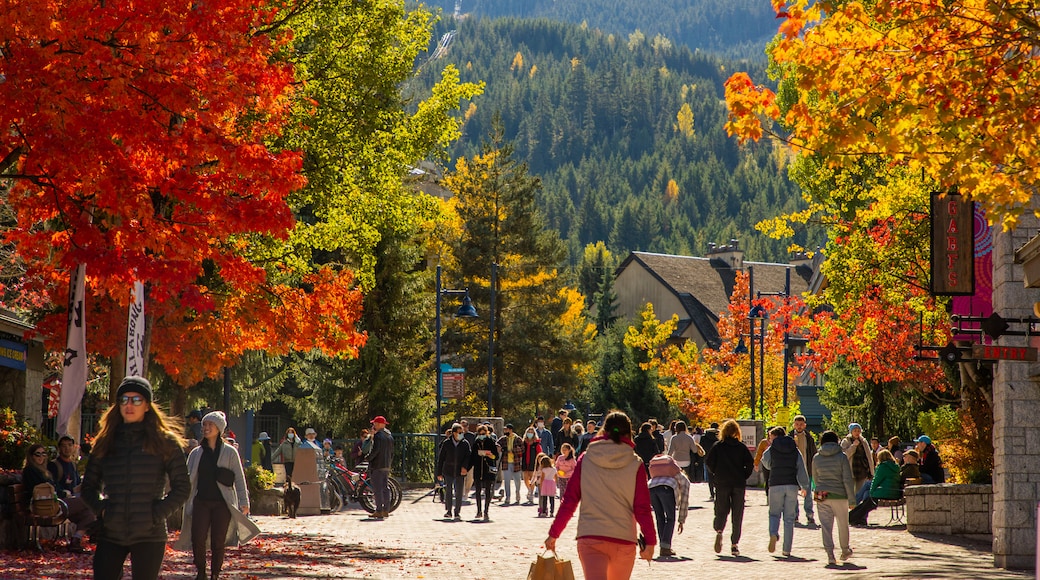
(518, 62)
(671, 191)
(684, 121)
(746, 103)
(575, 62)
(534, 69)
(470, 111)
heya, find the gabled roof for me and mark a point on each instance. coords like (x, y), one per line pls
(704, 285)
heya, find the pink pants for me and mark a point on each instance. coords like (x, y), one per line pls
(603, 560)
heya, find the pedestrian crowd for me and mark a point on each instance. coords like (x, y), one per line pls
(141, 470)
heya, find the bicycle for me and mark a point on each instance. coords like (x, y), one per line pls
(346, 484)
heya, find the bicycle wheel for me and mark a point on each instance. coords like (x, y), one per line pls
(367, 498)
(335, 500)
(395, 494)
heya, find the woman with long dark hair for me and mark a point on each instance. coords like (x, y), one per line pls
(136, 451)
(609, 483)
(219, 501)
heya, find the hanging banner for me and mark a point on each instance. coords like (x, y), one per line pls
(53, 386)
(74, 377)
(953, 245)
(135, 334)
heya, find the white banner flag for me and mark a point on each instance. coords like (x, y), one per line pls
(135, 334)
(74, 377)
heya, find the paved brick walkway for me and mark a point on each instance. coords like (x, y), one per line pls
(416, 543)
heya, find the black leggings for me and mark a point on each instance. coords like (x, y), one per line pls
(484, 492)
(146, 560)
(209, 518)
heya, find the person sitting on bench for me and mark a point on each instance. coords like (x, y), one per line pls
(885, 485)
(37, 472)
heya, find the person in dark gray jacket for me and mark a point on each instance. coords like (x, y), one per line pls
(787, 478)
(835, 494)
(730, 463)
(135, 452)
(380, 461)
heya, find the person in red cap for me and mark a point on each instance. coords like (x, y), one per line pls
(380, 459)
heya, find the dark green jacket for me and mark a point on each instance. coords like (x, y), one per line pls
(885, 484)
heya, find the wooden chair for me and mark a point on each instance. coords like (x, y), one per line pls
(25, 517)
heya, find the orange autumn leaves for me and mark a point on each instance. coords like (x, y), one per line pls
(947, 89)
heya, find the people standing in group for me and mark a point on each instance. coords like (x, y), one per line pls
(875, 446)
(218, 504)
(886, 485)
(708, 439)
(668, 434)
(835, 494)
(759, 452)
(586, 438)
(931, 463)
(471, 437)
(567, 435)
(857, 449)
(545, 436)
(36, 471)
(578, 442)
(729, 465)
(895, 447)
(195, 425)
(138, 462)
(483, 461)
(545, 480)
(609, 487)
(682, 448)
(669, 489)
(360, 449)
(529, 461)
(261, 452)
(697, 469)
(655, 430)
(646, 445)
(807, 447)
(566, 461)
(787, 480)
(452, 466)
(285, 453)
(512, 448)
(380, 461)
(556, 429)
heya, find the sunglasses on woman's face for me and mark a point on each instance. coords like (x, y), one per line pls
(136, 400)
(40, 454)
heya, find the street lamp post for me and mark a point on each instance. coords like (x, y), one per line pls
(465, 311)
(787, 337)
(491, 340)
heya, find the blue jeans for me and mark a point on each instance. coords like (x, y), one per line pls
(863, 493)
(453, 493)
(783, 501)
(807, 503)
(662, 498)
(511, 476)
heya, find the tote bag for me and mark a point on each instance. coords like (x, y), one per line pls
(551, 569)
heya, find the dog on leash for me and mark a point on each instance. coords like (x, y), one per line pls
(291, 498)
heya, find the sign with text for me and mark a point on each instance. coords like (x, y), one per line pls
(12, 354)
(994, 352)
(453, 383)
(953, 245)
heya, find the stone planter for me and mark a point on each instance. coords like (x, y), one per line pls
(266, 503)
(951, 510)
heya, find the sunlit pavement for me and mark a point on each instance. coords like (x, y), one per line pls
(416, 542)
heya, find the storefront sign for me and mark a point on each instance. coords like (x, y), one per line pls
(12, 354)
(993, 352)
(953, 245)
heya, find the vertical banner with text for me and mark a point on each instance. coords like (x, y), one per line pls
(135, 334)
(953, 245)
(74, 377)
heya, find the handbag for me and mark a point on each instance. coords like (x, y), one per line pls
(551, 569)
(225, 476)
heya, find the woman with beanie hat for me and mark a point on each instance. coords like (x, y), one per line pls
(219, 501)
(135, 452)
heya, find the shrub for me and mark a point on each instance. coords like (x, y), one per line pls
(964, 440)
(16, 435)
(258, 479)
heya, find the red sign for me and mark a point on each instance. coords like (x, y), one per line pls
(953, 245)
(993, 352)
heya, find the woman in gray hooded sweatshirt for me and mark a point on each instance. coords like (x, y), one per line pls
(835, 494)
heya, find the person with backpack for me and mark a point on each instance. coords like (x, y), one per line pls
(669, 488)
(729, 463)
(44, 492)
(138, 462)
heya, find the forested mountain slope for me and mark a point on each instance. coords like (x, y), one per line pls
(625, 131)
(733, 28)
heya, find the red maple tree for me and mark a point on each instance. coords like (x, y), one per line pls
(133, 139)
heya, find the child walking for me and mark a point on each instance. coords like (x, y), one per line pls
(545, 479)
(565, 465)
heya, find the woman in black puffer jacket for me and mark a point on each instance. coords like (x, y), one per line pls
(133, 455)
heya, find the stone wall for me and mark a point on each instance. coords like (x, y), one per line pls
(950, 510)
(1016, 405)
